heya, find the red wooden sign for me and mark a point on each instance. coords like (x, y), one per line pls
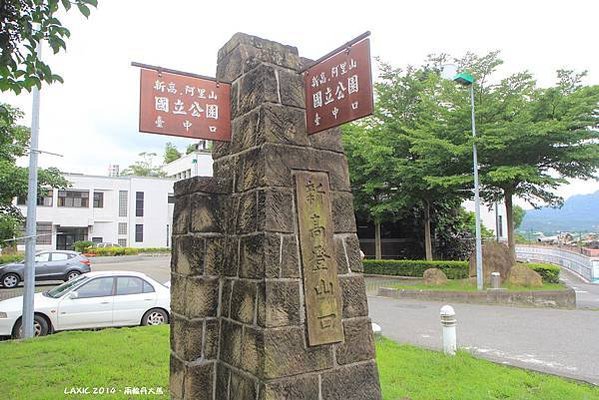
(179, 105)
(339, 89)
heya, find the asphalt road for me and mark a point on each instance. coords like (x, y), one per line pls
(562, 342)
(587, 294)
(157, 267)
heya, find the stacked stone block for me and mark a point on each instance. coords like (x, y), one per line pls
(238, 326)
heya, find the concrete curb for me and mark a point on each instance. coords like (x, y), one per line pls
(538, 298)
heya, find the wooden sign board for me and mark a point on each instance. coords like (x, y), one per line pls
(180, 105)
(339, 89)
(321, 284)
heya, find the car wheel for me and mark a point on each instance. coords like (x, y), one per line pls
(72, 275)
(10, 281)
(155, 316)
(40, 327)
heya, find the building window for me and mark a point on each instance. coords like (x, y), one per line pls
(122, 242)
(139, 233)
(500, 223)
(139, 204)
(97, 239)
(44, 200)
(73, 198)
(123, 203)
(98, 200)
(168, 235)
(44, 233)
(122, 228)
(171, 199)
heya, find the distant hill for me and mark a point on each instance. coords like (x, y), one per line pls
(580, 213)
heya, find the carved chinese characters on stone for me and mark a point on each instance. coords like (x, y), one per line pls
(339, 89)
(179, 105)
(321, 284)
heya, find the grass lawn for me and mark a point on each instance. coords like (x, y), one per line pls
(129, 357)
(465, 285)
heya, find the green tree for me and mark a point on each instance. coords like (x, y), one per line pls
(14, 142)
(191, 148)
(25, 23)
(519, 214)
(393, 154)
(530, 139)
(171, 153)
(144, 167)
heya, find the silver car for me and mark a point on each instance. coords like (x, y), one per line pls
(49, 266)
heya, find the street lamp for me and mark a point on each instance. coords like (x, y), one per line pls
(465, 79)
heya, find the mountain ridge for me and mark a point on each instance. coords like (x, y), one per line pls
(580, 213)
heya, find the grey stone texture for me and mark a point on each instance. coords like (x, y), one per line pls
(238, 326)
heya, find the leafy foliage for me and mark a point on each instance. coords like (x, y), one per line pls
(144, 167)
(519, 214)
(14, 142)
(82, 245)
(549, 273)
(453, 269)
(530, 140)
(171, 153)
(191, 148)
(24, 24)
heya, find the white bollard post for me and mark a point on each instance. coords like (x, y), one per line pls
(448, 321)
(495, 280)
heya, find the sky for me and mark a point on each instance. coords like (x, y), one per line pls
(92, 119)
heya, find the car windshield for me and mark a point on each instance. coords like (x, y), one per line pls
(65, 287)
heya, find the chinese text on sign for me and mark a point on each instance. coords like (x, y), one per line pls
(339, 89)
(179, 105)
(321, 284)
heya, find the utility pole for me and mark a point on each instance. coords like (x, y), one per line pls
(29, 281)
(479, 253)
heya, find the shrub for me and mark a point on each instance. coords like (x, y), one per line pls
(154, 249)
(10, 258)
(549, 273)
(82, 245)
(113, 251)
(416, 268)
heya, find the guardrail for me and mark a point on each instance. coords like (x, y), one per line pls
(587, 267)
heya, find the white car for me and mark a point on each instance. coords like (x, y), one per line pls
(92, 300)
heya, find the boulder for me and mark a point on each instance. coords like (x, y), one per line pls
(434, 277)
(496, 258)
(521, 275)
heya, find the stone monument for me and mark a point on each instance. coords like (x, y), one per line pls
(268, 298)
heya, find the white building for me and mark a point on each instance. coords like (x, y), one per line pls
(129, 210)
(492, 218)
(197, 163)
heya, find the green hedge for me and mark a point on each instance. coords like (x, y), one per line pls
(416, 268)
(112, 251)
(82, 245)
(125, 251)
(549, 273)
(10, 258)
(154, 249)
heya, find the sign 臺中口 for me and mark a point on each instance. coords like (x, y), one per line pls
(180, 105)
(339, 89)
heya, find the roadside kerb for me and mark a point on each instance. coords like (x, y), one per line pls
(541, 298)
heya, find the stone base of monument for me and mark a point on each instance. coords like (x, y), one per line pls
(268, 297)
(533, 298)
